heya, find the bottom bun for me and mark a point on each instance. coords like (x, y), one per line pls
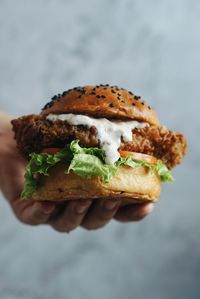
(132, 185)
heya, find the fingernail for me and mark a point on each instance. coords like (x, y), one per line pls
(47, 208)
(110, 205)
(144, 211)
(82, 207)
(150, 208)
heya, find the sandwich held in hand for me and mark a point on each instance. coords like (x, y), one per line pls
(97, 142)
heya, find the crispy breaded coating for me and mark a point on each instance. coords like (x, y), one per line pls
(34, 133)
(159, 142)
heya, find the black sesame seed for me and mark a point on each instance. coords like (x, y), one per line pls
(137, 97)
(54, 97)
(149, 107)
(98, 96)
(130, 92)
(113, 91)
(58, 97)
(46, 106)
(103, 97)
(111, 105)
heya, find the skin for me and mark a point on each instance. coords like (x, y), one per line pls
(65, 217)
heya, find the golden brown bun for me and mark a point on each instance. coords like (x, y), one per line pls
(102, 101)
(133, 185)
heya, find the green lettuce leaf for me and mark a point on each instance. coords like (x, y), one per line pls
(85, 162)
(40, 164)
(87, 165)
(160, 167)
(95, 151)
(164, 172)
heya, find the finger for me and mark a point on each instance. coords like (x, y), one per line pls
(12, 177)
(72, 215)
(101, 213)
(37, 213)
(134, 212)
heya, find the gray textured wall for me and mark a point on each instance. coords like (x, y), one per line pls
(150, 47)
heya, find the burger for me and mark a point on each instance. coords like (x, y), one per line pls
(97, 142)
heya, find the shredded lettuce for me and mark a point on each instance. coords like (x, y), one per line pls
(85, 162)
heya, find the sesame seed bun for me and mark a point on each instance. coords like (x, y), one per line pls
(132, 185)
(102, 101)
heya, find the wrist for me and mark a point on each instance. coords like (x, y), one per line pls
(6, 145)
(6, 134)
(5, 120)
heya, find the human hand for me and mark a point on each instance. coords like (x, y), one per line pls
(63, 217)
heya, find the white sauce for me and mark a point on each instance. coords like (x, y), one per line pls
(109, 132)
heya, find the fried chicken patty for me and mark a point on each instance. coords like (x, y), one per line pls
(34, 133)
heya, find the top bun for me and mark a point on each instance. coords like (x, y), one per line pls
(102, 101)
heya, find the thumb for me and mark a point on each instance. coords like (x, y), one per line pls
(12, 169)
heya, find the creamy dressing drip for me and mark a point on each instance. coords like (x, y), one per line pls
(109, 132)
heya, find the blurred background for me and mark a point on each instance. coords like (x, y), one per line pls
(149, 47)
